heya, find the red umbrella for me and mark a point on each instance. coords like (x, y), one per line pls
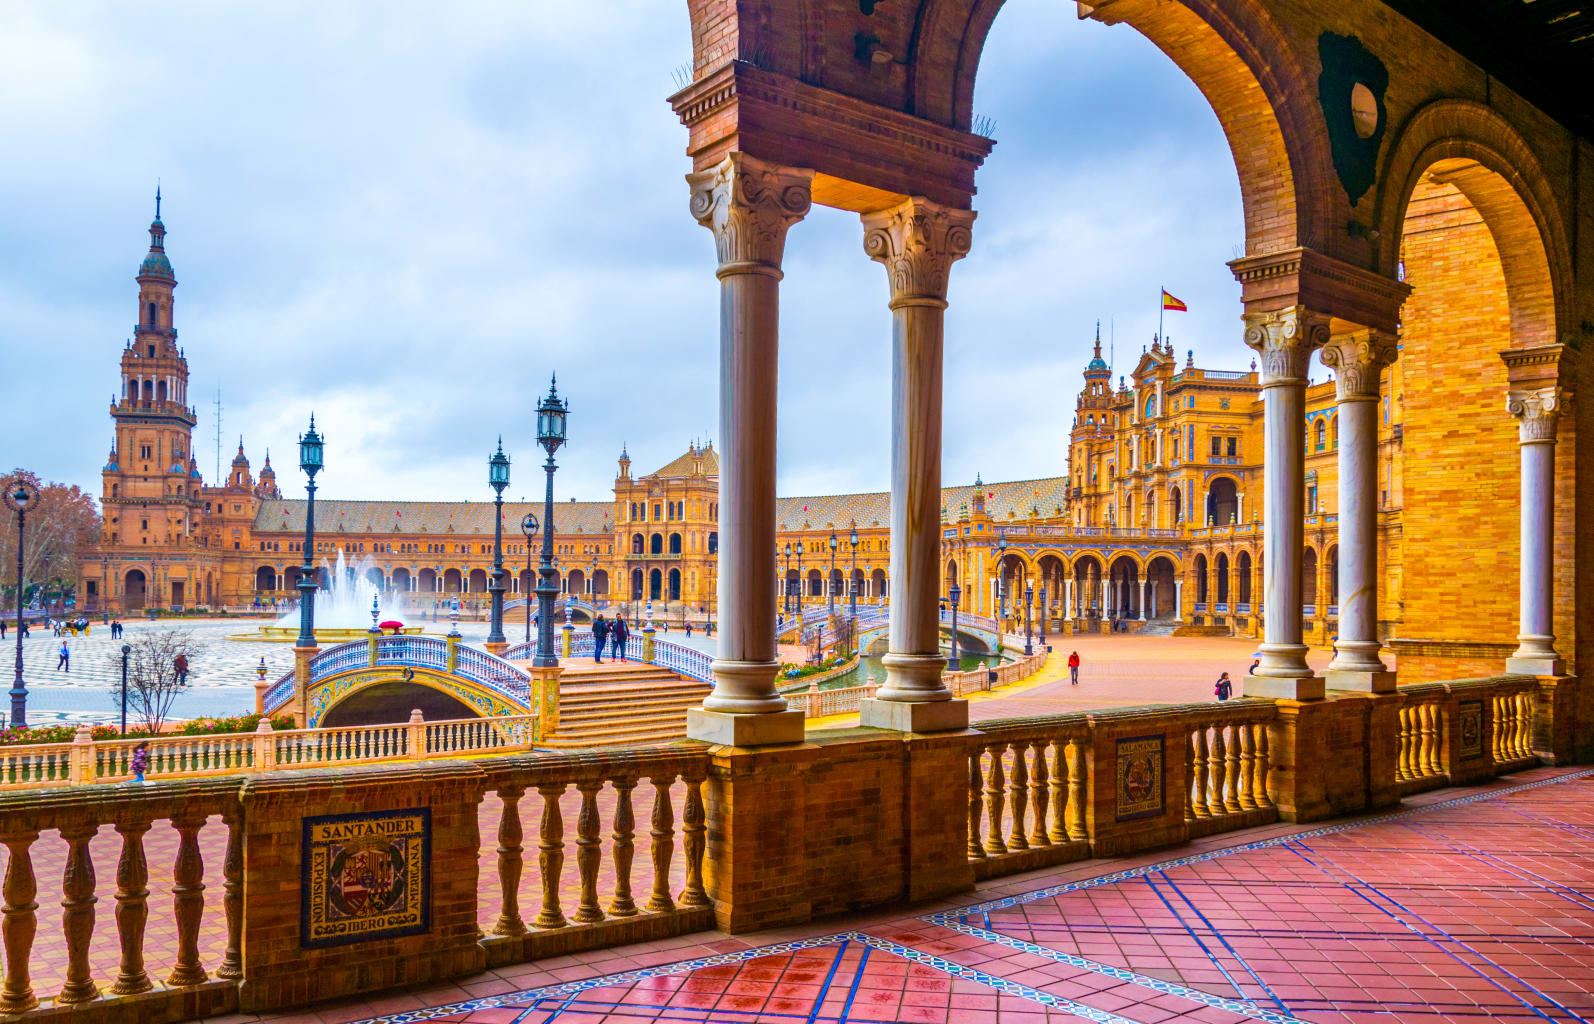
(392, 624)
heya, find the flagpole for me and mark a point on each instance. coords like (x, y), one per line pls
(1160, 305)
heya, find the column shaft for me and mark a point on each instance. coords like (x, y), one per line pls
(1536, 411)
(749, 206)
(1284, 340)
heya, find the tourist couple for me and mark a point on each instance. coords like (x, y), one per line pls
(614, 632)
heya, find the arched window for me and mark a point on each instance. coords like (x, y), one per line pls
(714, 543)
(1151, 406)
(636, 544)
(151, 320)
(656, 546)
(675, 543)
(1321, 433)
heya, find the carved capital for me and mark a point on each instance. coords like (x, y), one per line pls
(1357, 360)
(749, 205)
(1284, 341)
(918, 241)
(1536, 411)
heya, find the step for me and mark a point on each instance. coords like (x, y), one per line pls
(629, 716)
(640, 692)
(646, 732)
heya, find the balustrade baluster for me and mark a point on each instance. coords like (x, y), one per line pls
(1038, 795)
(188, 901)
(19, 924)
(1263, 763)
(1231, 798)
(232, 899)
(1497, 734)
(1198, 784)
(511, 862)
(1077, 792)
(994, 787)
(1403, 760)
(1426, 759)
(624, 830)
(1058, 772)
(1218, 765)
(1018, 790)
(663, 833)
(588, 840)
(551, 858)
(1245, 743)
(1189, 778)
(694, 838)
(77, 914)
(976, 849)
(132, 908)
(1524, 724)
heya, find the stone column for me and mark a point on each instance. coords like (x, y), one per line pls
(748, 205)
(1178, 599)
(1284, 341)
(1536, 410)
(917, 241)
(1357, 361)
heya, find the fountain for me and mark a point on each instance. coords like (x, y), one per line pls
(343, 609)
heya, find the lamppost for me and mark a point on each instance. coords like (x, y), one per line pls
(830, 581)
(954, 661)
(551, 413)
(1043, 614)
(1029, 597)
(800, 594)
(528, 526)
(852, 577)
(788, 586)
(310, 460)
(19, 498)
(1001, 582)
(126, 650)
(497, 479)
(44, 583)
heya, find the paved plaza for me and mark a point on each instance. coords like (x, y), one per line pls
(1464, 905)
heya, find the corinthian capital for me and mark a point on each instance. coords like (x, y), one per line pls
(1284, 342)
(1357, 360)
(1536, 410)
(918, 241)
(749, 204)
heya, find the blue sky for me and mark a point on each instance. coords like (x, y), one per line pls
(407, 220)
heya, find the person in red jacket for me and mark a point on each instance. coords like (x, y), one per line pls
(1073, 668)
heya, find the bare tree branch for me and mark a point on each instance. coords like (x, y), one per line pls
(153, 680)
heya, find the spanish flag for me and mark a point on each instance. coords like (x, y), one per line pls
(1169, 302)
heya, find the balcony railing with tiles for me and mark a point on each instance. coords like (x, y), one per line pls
(1464, 730)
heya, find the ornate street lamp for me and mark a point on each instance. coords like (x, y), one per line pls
(20, 497)
(551, 413)
(1043, 614)
(1029, 597)
(528, 526)
(1001, 581)
(852, 577)
(126, 650)
(800, 594)
(310, 460)
(788, 587)
(830, 581)
(954, 661)
(497, 479)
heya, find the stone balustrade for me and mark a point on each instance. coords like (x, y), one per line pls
(86, 760)
(1464, 730)
(1226, 763)
(816, 703)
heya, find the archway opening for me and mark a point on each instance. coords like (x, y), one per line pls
(391, 703)
(135, 590)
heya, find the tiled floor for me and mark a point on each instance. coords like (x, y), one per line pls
(1467, 905)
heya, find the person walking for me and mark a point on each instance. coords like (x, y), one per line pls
(140, 763)
(180, 663)
(600, 633)
(1255, 664)
(1223, 688)
(689, 629)
(65, 662)
(1073, 668)
(3, 625)
(618, 634)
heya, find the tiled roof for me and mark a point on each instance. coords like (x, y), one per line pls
(682, 465)
(429, 517)
(867, 510)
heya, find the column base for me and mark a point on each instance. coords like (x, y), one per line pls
(495, 649)
(1535, 667)
(758, 730)
(918, 716)
(1283, 687)
(1360, 680)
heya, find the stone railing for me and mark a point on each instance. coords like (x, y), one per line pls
(1463, 731)
(1033, 782)
(670, 899)
(816, 703)
(427, 652)
(977, 680)
(86, 760)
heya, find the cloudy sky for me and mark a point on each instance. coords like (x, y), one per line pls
(404, 216)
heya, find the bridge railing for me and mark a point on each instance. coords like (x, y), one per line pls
(86, 761)
(413, 651)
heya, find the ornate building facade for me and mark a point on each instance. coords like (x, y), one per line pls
(1157, 519)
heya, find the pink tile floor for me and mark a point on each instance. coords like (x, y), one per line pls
(1465, 905)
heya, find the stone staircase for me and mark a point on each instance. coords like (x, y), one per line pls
(1158, 627)
(623, 704)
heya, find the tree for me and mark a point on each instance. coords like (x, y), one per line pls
(64, 525)
(153, 681)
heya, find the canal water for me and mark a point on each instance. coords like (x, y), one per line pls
(871, 665)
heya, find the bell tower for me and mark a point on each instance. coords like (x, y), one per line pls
(151, 485)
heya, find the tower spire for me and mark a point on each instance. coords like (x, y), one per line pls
(157, 199)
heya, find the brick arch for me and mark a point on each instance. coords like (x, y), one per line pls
(1476, 149)
(1230, 49)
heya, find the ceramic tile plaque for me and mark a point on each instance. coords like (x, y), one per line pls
(365, 876)
(1469, 729)
(1139, 777)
